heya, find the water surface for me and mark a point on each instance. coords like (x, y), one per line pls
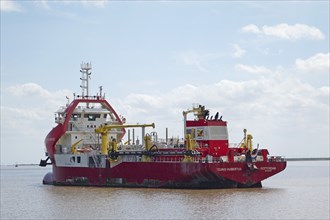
(299, 192)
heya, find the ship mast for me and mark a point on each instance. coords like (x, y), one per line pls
(85, 76)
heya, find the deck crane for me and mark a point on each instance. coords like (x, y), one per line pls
(200, 112)
(104, 130)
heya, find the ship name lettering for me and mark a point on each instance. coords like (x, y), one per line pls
(268, 169)
(230, 169)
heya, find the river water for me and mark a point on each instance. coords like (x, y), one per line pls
(299, 192)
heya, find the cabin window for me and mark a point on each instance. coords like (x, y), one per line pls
(75, 116)
(90, 117)
(78, 159)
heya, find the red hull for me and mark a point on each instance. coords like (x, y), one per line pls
(167, 175)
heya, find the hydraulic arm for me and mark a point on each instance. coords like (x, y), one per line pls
(104, 130)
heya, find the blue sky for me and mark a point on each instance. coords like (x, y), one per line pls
(264, 65)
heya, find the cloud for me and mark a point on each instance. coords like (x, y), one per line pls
(254, 96)
(194, 59)
(28, 89)
(44, 4)
(252, 69)
(286, 31)
(32, 101)
(238, 51)
(251, 28)
(95, 3)
(35, 90)
(85, 3)
(20, 113)
(26, 118)
(264, 106)
(10, 6)
(318, 63)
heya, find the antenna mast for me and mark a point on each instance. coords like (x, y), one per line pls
(85, 76)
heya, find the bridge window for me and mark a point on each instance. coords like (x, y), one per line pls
(75, 116)
(92, 117)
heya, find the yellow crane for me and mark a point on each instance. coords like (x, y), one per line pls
(247, 141)
(200, 112)
(73, 147)
(190, 143)
(104, 130)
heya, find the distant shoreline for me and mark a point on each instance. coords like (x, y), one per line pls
(288, 159)
(308, 159)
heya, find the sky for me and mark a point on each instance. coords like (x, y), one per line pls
(264, 65)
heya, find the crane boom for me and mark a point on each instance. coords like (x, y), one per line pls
(200, 112)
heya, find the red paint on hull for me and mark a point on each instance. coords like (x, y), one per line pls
(168, 175)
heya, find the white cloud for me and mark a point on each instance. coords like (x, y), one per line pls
(251, 28)
(26, 117)
(28, 89)
(265, 106)
(276, 96)
(23, 113)
(95, 3)
(318, 63)
(43, 4)
(85, 3)
(252, 69)
(10, 6)
(191, 58)
(34, 90)
(286, 31)
(238, 51)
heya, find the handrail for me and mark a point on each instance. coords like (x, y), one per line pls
(94, 97)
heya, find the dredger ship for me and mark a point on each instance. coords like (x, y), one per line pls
(87, 148)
